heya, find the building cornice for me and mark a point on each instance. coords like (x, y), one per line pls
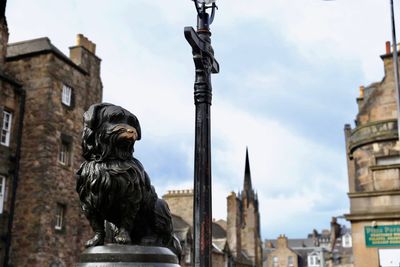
(372, 216)
(373, 194)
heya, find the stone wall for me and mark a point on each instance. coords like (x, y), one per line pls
(373, 158)
(10, 101)
(249, 232)
(180, 203)
(44, 181)
(234, 224)
(282, 254)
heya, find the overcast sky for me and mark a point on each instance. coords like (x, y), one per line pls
(290, 72)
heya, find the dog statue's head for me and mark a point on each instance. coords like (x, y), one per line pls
(109, 132)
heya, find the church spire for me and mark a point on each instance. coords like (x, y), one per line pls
(247, 187)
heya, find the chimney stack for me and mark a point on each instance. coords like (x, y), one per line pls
(83, 41)
(3, 33)
(360, 98)
(83, 55)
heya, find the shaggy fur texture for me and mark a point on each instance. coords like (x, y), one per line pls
(114, 187)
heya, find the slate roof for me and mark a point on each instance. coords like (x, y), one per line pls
(217, 231)
(294, 243)
(35, 47)
(181, 227)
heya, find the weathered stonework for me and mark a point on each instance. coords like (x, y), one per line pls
(280, 256)
(373, 157)
(234, 224)
(180, 202)
(44, 182)
(242, 230)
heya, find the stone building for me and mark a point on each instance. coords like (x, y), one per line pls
(373, 157)
(280, 254)
(181, 206)
(43, 95)
(237, 241)
(329, 248)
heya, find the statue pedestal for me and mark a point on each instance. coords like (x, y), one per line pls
(113, 255)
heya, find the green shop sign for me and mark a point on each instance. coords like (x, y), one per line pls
(382, 236)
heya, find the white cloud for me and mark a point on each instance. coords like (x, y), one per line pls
(293, 175)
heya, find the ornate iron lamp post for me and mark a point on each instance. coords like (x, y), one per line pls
(205, 64)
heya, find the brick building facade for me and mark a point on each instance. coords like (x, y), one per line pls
(43, 95)
(373, 157)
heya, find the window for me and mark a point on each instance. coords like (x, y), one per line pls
(314, 260)
(6, 129)
(187, 256)
(60, 211)
(66, 95)
(290, 261)
(388, 160)
(65, 153)
(347, 241)
(389, 257)
(2, 191)
(275, 261)
(56, 263)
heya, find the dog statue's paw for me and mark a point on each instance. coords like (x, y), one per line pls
(122, 237)
(97, 240)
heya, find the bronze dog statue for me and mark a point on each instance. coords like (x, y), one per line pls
(113, 185)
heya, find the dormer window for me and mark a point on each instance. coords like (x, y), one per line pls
(66, 96)
(314, 260)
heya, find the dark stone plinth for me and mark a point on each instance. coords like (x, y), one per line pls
(113, 255)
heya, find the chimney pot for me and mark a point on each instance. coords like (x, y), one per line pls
(362, 88)
(387, 48)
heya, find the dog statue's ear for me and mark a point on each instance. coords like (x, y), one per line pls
(137, 127)
(90, 121)
(88, 142)
(90, 116)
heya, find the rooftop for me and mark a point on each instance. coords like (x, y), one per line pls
(34, 47)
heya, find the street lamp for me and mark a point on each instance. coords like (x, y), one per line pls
(205, 64)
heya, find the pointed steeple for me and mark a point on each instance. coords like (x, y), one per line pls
(247, 187)
(247, 191)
